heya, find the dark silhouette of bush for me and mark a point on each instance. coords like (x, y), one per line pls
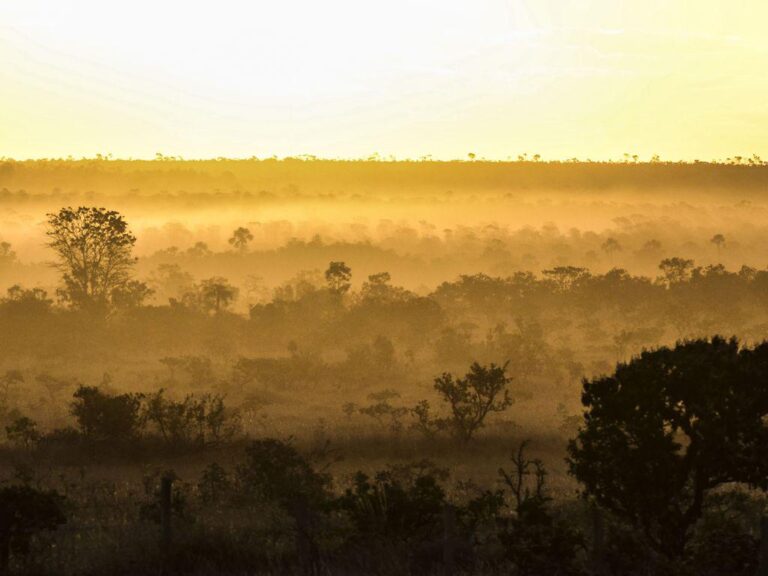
(398, 523)
(424, 422)
(201, 420)
(25, 512)
(669, 427)
(26, 302)
(23, 432)
(385, 413)
(214, 483)
(105, 417)
(275, 472)
(727, 538)
(535, 541)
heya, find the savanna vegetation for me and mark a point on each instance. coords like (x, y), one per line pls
(302, 366)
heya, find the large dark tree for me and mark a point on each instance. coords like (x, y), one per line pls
(669, 427)
(94, 247)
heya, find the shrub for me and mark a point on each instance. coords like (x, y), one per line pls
(23, 432)
(195, 419)
(24, 512)
(105, 417)
(536, 542)
(395, 520)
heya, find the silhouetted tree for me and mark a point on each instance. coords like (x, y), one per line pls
(611, 246)
(719, 241)
(676, 270)
(534, 541)
(216, 294)
(338, 276)
(567, 277)
(199, 250)
(240, 238)
(669, 427)
(483, 390)
(94, 247)
(7, 255)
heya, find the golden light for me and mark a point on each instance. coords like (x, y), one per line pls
(405, 77)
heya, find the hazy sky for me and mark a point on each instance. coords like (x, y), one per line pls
(586, 78)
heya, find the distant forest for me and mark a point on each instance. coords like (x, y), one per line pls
(327, 367)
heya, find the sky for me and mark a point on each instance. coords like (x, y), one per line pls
(591, 79)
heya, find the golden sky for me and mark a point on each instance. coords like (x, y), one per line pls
(594, 79)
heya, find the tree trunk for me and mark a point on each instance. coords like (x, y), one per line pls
(597, 553)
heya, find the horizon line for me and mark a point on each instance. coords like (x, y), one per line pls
(752, 161)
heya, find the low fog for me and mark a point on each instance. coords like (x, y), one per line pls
(336, 306)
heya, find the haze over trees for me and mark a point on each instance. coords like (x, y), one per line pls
(394, 395)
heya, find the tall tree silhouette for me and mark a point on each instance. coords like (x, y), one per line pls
(217, 294)
(94, 248)
(338, 276)
(719, 241)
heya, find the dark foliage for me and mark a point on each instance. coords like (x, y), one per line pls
(24, 512)
(668, 428)
(106, 417)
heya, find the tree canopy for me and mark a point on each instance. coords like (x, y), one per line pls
(94, 248)
(670, 426)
